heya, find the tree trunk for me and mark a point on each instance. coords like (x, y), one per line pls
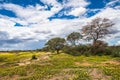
(57, 51)
(94, 41)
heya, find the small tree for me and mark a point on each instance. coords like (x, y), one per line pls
(56, 44)
(73, 38)
(97, 29)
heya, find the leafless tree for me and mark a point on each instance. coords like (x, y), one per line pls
(97, 29)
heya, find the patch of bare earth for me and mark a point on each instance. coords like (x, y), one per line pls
(114, 62)
(41, 58)
(111, 62)
(24, 62)
(62, 77)
(15, 77)
(44, 57)
(83, 64)
(98, 75)
(57, 78)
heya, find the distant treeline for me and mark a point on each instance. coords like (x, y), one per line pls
(13, 51)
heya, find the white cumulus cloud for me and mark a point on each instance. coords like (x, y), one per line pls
(37, 27)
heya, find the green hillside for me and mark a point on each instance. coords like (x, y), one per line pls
(51, 66)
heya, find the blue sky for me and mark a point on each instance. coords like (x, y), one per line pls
(28, 24)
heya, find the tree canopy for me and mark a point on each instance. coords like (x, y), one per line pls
(73, 38)
(56, 44)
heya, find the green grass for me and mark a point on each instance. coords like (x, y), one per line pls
(56, 67)
(113, 71)
(11, 57)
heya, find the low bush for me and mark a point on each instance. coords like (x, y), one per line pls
(115, 51)
(87, 50)
(71, 51)
(78, 50)
(34, 57)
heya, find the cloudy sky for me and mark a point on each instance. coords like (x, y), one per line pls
(27, 24)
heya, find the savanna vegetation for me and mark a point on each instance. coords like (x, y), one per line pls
(52, 66)
(67, 58)
(93, 32)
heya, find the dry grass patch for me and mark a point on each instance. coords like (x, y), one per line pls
(113, 62)
(98, 75)
(86, 64)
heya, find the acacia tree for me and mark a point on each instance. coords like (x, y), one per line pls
(56, 44)
(97, 29)
(74, 37)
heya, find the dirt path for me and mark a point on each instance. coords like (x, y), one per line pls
(86, 64)
(40, 58)
(24, 63)
(98, 75)
(45, 56)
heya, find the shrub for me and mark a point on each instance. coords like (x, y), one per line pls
(116, 54)
(78, 50)
(111, 50)
(115, 51)
(98, 48)
(71, 51)
(34, 57)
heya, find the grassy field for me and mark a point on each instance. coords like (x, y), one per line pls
(48, 66)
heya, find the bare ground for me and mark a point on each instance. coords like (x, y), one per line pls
(40, 58)
(94, 72)
(98, 75)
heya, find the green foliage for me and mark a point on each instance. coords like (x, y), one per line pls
(45, 49)
(78, 50)
(73, 38)
(71, 51)
(116, 54)
(115, 51)
(99, 48)
(55, 44)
